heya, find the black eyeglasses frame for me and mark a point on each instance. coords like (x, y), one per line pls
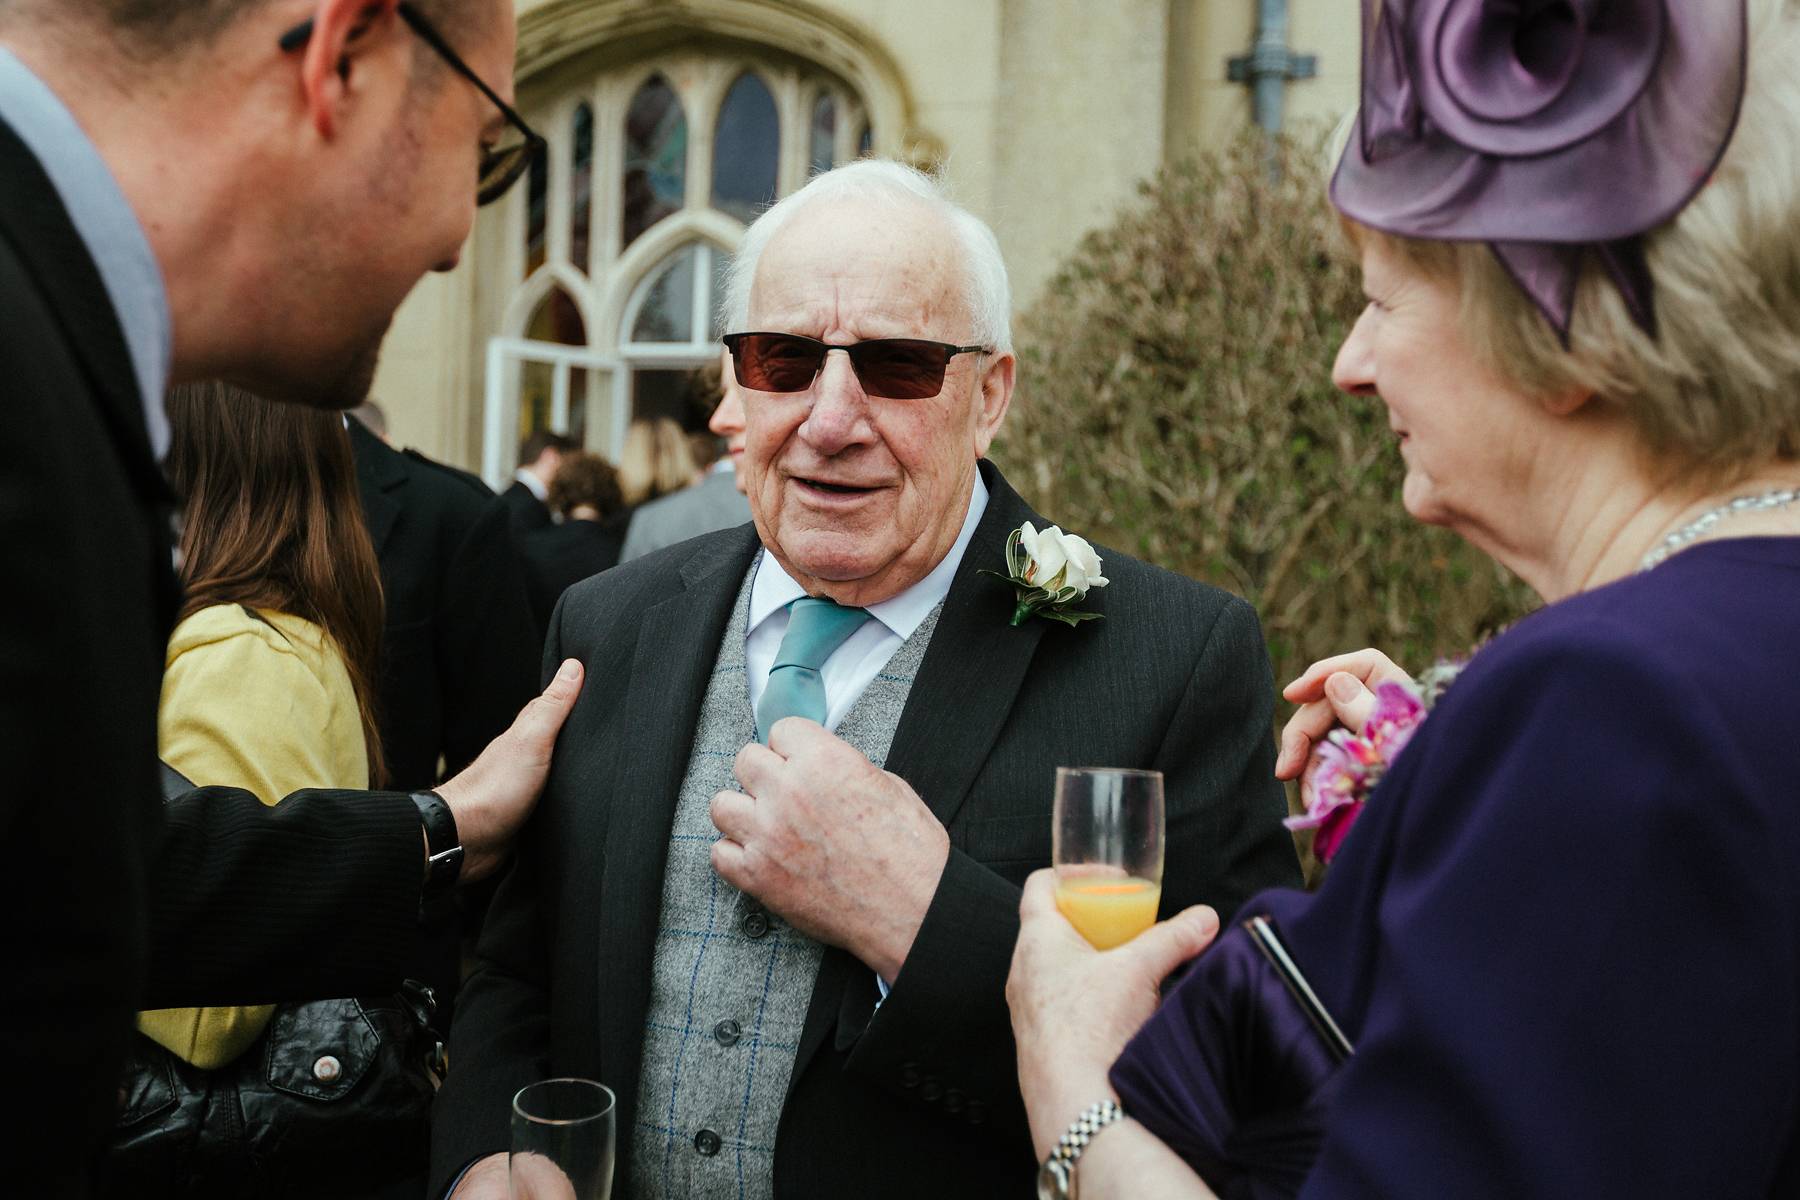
(505, 166)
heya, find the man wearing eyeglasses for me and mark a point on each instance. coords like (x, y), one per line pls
(191, 189)
(772, 891)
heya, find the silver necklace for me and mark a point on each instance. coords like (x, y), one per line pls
(1700, 526)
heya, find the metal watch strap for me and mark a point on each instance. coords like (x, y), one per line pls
(442, 845)
(1060, 1166)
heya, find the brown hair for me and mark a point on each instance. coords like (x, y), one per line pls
(586, 478)
(273, 521)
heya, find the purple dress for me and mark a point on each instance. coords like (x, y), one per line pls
(1564, 936)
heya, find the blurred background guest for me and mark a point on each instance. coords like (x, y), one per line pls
(269, 686)
(1558, 937)
(528, 498)
(656, 461)
(717, 501)
(585, 494)
(373, 419)
(459, 650)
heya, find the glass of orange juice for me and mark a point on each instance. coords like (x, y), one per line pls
(1108, 849)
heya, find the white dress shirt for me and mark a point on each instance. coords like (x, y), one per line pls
(856, 663)
(533, 485)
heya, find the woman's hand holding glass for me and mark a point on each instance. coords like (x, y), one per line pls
(1075, 1007)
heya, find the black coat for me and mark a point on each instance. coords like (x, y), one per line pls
(243, 903)
(560, 556)
(459, 651)
(925, 1101)
(527, 511)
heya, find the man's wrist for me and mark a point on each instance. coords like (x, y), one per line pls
(443, 846)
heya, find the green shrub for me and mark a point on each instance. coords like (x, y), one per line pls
(1175, 401)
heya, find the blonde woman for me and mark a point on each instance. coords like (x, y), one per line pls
(657, 460)
(1561, 943)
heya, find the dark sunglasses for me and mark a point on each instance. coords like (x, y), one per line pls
(887, 368)
(500, 166)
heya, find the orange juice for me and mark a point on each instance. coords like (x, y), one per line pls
(1110, 911)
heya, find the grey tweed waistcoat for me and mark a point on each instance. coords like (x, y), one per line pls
(731, 981)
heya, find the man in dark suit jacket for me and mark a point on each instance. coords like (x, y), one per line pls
(112, 281)
(527, 498)
(800, 992)
(459, 650)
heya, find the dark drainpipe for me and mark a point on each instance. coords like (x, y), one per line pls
(1267, 69)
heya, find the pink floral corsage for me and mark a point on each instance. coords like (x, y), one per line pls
(1346, 766)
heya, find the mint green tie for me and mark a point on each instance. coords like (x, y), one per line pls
(816, 628)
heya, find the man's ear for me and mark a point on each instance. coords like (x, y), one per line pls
(994, 398)
(341, 29)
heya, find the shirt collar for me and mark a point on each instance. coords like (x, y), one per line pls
(104, 219)
(531, 482)
(774, 589)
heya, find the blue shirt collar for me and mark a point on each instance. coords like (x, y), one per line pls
(104, 219)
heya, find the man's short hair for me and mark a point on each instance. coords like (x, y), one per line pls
(886, 181)
(533, 447)
(586, 478)
(150, 30)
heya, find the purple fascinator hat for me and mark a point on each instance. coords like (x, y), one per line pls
(1546, 128)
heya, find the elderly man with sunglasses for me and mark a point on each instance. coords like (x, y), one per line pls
(194, 189)
(772, 890)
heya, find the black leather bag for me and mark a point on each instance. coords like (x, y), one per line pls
(333, 1099)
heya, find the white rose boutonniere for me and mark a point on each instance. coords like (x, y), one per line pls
(1050, 570)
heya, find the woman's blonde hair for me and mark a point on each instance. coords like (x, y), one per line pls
(1716, 394)
(657, 460)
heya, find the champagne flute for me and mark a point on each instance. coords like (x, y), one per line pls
(1107, 844)
(562, 1141)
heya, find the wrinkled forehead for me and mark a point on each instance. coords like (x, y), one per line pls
(869, 267)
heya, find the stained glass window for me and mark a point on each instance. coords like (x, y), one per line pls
(655, 157)
(557, 319)
(824, 133)
(667, 313)
(581, 183)
(746, 150)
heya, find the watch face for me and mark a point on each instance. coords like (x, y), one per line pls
(1053, 1180)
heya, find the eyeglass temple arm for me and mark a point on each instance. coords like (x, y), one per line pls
(302, 33)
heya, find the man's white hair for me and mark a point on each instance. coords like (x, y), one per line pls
(988, 292)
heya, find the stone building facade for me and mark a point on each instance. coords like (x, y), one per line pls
(586, 296)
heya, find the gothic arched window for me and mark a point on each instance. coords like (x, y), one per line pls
(619, 240)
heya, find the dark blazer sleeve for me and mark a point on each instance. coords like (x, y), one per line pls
(317, 896)
(946, 1023)
(488, 641)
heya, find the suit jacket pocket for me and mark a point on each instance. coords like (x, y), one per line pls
(1012, 846)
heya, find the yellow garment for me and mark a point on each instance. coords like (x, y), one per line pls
(263, 705)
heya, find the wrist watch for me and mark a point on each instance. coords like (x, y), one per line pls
(442, 845)
(1056, 1178)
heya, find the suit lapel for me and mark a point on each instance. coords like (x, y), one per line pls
(37, 227)
(378, 472)
(973, 669)
(960, 701)
(677, 645)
